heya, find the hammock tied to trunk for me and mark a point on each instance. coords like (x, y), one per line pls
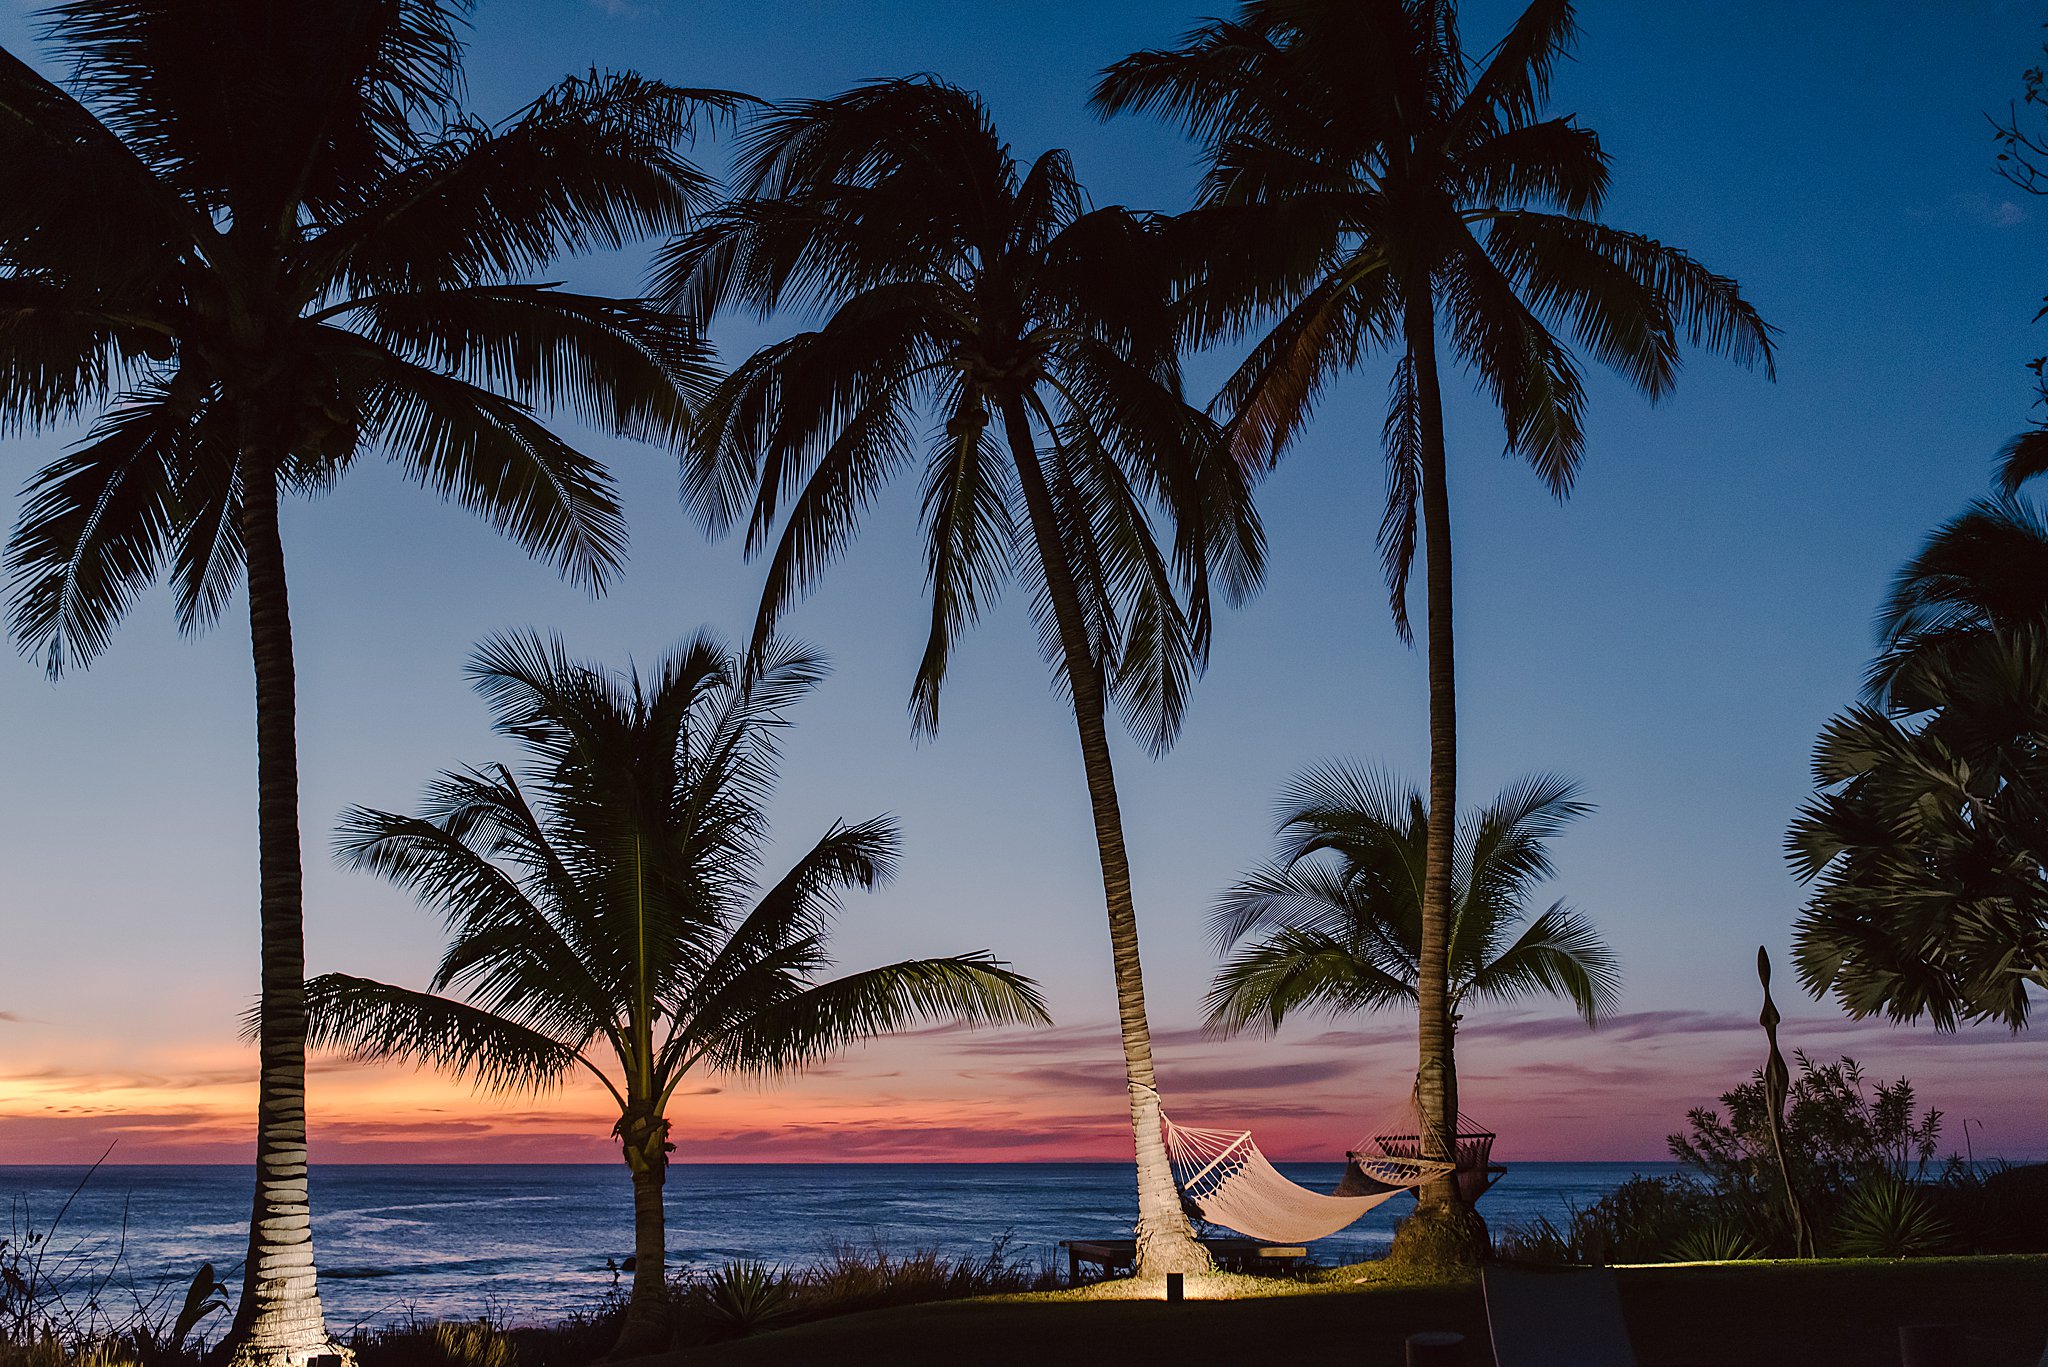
(1227, 1181)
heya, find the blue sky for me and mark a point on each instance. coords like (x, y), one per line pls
(1673, 637)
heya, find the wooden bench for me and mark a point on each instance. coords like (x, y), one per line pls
(1233, 1255)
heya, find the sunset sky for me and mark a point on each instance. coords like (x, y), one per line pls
(1673, 638)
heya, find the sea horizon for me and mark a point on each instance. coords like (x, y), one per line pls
(536, 1242)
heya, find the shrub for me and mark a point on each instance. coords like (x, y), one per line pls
(1723, 1239)
(744, 1297)
(1640, 1221)
(1838, 1132)
(1996, 1208)
(1884, 1217)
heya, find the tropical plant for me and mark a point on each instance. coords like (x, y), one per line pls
(1923, 842)
(1643, 1220)
(265, 241)
(1723, 1239)
(1335, 919)
(962, 289)
(606, 914)
(746, 1296)
(1889, 1218)
(1840, 1132)
(1370, 186)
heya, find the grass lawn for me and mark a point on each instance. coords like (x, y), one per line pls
(1785, 1314)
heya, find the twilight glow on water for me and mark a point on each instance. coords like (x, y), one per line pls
(529, 1243)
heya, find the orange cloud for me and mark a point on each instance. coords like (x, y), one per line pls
(1551, 1088)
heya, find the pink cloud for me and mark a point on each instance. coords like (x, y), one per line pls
(1551, 1088)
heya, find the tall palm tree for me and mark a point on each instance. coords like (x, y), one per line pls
(261, 243)
(1924, 840)
(608, 914)
(1371, 187)
(961, 289)
(1335, 920)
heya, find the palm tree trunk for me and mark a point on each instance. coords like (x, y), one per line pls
(279, 1320)
(1165, 1242)
(646, 1328)
(1440, 1207)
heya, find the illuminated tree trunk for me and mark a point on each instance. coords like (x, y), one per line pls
(279, 1319)
(1165, 1242)
(646, 1328)
(1443, 1225)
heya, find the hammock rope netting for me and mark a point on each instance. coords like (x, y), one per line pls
(1226, 1180)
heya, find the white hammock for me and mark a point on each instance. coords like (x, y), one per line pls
(1232, 1184)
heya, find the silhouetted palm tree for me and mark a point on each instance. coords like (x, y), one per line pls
(1924, 842)
(261, 242)
(1983, 573)
(607, 915)
(1335, 920)
(964, 290)
(1370, 186)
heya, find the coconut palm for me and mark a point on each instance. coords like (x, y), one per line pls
(607, 914)
(1371, 187)
(265, 241)
(1982, 574)
(960, 289)
(1335, 920)
(1924, 840)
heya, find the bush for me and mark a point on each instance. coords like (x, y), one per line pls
(1838, 1132)
(1884, 1217)
(1721, 1240)
(2000, 1208)
(742, 1298)
(1643, 1220)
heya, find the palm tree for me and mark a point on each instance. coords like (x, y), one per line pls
(1924, 840)
(607, 914)
(1337, 914)
(261, 243)
(1372, 187)
(1981, 575)
(962, 290)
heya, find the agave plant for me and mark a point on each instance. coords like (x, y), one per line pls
(1721, 1240)
(1886, 1217)
(746, 1296)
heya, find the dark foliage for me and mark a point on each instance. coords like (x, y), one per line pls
(1923, 842)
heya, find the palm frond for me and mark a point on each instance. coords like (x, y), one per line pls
(1401, 438)
(1560, 954)
(95, 529)
(1296, 971)
(2022, 458)
(99, 212)
(492, 456)
(613, 364)
(1514, 83)
(593, 164)
(375, 1021)
(829, 1017)
(321, 106)
(970, 530)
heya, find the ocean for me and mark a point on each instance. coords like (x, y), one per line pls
(531, 1243)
